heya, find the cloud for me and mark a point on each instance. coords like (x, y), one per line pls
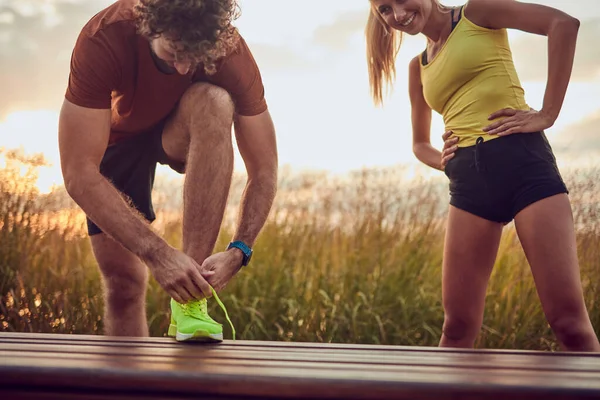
(35, 50)
(580, 137)
(531, 54)
(273, 58)
(337, 35)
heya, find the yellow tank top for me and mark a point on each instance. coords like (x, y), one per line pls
(472, 76)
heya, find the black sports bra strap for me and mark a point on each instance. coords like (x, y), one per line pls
(454, 21)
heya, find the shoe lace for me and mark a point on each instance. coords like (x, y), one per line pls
(220, 303)
(196, 308)
(199, 308)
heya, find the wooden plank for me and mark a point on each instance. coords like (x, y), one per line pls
(365, 358)
(258, 351)
(154, 341)
(162, 367)
(25, 394)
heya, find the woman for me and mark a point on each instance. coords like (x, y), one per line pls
(496, 155)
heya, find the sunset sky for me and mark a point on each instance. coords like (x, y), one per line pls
(312, 58)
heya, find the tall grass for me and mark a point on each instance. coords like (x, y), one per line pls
(353, 259)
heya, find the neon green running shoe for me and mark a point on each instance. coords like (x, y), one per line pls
(191, 322)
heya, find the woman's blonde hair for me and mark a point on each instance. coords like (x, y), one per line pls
(383, 45)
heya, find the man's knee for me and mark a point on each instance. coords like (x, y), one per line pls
(204, 98)
(126, 285)
(125, 276)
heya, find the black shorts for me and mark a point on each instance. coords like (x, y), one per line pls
(130, 166)
(497, 179)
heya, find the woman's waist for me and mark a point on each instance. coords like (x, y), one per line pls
(468, 126)
(502, 145)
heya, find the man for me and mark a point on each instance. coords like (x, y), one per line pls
(163, 81)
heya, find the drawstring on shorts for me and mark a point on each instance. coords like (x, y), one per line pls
(477, 161)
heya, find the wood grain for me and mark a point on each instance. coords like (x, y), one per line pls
(96, 367)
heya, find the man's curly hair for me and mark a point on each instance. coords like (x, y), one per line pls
(201, 29)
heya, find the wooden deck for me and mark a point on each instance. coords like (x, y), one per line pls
(40, 366)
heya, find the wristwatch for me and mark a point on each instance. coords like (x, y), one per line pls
(246, 250)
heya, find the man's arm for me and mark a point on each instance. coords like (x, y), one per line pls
(83, 138)
(257, 144)
(256, 141)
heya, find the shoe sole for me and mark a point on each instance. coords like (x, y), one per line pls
(197, 336)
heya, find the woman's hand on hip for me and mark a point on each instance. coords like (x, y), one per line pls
(518, 121)
(450, 147)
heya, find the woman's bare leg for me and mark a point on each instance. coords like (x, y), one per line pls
(470, 251)
(547, 234)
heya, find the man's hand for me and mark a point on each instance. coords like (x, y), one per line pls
(518, 121)
(221, 267)
(450, 146)
(179, 275)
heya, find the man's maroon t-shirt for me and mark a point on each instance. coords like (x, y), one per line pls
(112, 67)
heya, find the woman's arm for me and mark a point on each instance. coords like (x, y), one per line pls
(560, 28)
(421, 123)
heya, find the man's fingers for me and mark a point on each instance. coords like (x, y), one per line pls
(175, 294)
(195, 292)
(201, 284)
(220, 287)
(175, 291)
(176, 297)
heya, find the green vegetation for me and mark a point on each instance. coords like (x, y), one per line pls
(353, 259)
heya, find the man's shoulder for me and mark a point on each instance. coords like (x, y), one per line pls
(113, 22)
(240, 55)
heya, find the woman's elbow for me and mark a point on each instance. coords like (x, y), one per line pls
(568, 23)
(575, 22)
(417, 148)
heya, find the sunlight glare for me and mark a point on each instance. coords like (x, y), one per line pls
(36, 132)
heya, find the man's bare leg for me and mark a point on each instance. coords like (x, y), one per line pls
(199, 134)
(125, 278)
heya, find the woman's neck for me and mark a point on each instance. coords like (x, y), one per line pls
(438, 23)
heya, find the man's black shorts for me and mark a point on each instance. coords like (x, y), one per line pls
(498, 178)
(130, 166)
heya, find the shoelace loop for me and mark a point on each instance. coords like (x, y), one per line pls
(224, 310)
